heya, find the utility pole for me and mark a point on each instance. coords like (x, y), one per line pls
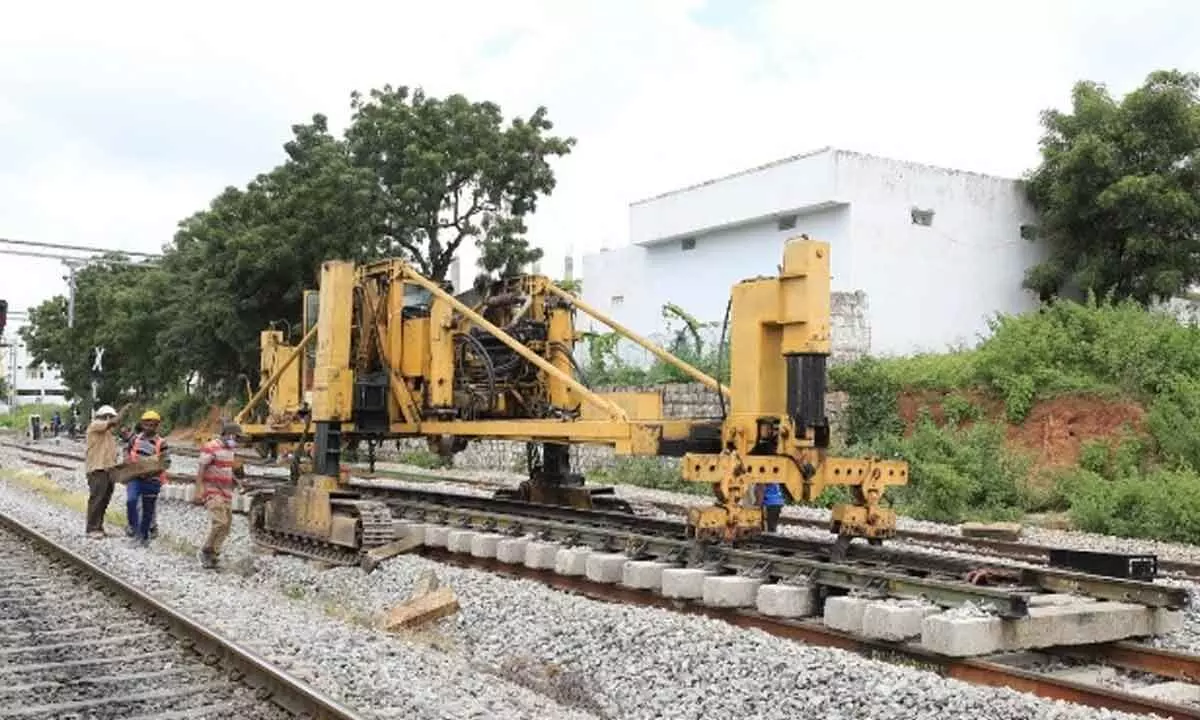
(70, 278)
(73, 261)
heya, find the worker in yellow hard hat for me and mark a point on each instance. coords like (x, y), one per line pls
(144, 489)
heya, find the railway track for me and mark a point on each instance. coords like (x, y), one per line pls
(1020, 551)
(77, 642)
(1056, 673)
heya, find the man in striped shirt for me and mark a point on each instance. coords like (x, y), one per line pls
(216, 476)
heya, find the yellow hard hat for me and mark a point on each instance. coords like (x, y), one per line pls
(151, 415)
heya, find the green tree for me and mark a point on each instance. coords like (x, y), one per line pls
(452, 171)
(117, 307)
(1118, 190)
(246, 260)
(412, 176)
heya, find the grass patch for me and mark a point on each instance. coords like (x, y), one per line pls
(17, 418)
(654, 473)
(43, 486)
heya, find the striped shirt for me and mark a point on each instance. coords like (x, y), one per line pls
(216, 467)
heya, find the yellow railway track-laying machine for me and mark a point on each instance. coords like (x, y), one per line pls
(387, 353)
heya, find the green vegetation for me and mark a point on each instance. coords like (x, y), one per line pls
(423, 458)
(1117, 191)
(17, 418)
(648, 473)
(964, 469)
(412, 176)
(605, 367)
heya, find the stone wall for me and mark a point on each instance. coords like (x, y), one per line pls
(681, 400)
(850, 326)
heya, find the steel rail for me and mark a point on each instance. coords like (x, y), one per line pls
(269, 682)
(887, 568)
(1039, 578)
(984, 671)
(978, 671)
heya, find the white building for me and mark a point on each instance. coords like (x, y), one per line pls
(27, 383)
(924, 255)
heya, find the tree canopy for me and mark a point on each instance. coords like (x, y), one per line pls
(1118, 191)
(412, 176)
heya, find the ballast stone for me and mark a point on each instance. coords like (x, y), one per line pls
(483, 545)
(643, 574)
(512, 550)
(1080, 623)
(606, 567)
(572, 561)
(785, 601)
(730, 591)
(684, 583)
(540, 555)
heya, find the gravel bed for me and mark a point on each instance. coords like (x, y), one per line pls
(516, 648)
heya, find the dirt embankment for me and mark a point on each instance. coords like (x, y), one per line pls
(1055, 429)
(211, 425)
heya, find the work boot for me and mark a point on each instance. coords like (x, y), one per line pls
(130, 532)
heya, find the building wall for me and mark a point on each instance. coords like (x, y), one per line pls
(906, 287)
(28, 384)
(646, 277)
(934, 286)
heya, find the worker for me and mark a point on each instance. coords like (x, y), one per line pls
(101, 458)
(216, 475)
(144, 489)
(770, 496)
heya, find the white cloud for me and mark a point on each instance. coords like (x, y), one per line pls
(118, 119)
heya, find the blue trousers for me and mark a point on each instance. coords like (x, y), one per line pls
(146, 490)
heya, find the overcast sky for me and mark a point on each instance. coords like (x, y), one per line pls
(118, 119)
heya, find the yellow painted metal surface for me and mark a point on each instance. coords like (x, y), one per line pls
(415, 352)
(637, 406)
(441, 355)
(334, 380)
(561, 340)
(476, 369)
(804, 298)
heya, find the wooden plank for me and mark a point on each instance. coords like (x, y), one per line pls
(995, 531)
(423, 609)
(374, 556)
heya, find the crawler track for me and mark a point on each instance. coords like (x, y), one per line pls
(77, 642)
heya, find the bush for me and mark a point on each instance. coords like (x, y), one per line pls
(423, 458)
(1162, 505)
(1174, 423)
(873, 390)
(18, 417)
(956, 473)
(647, 472)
